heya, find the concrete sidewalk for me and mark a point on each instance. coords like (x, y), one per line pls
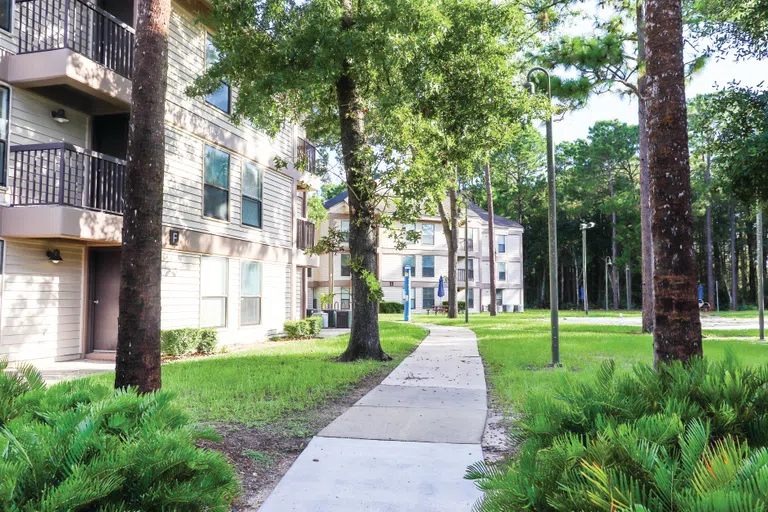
(406, 445)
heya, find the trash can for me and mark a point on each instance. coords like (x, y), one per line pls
(324, 316)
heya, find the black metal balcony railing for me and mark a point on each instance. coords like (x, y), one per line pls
(305, 234)
(66, 175)
(463, 276)
(306, 155)
(470, 242)
(80, 26)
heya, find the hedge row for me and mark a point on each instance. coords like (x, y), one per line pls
(178, 342)
(306, 328)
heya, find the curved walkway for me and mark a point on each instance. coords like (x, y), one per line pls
(406, 445)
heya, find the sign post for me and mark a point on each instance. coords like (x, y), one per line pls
(407, 293)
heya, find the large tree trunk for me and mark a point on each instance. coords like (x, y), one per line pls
(491, 241)
(614, 249)
(138, 331)
(645, 183)
(734, 260)
(450, 221)
(364, 341)
(677, 332)
(710, 264)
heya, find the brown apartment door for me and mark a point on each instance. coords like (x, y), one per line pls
(104, 297)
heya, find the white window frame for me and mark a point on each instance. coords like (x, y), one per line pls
(423, 266)
(429, 227)
(344, 229)
(345, 291)
(12, 19)
(260, 296)
(243, 197)
(423, 306)
(502, 270)
(501, 244)
(208, 39)
(229, 184)
(341, 264)
(4, 180)
(225, 296)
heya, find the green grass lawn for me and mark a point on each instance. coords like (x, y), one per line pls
(516, 348)
(269, 383)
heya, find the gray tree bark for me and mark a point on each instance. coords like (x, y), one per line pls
(645, 183)
(677, 333)
(138, 332)
(491, 241)
(450, 224)
(364, 340)
(614, 250)
(708, 228)
(734, 260)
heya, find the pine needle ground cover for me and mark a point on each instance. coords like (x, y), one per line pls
(607, 433)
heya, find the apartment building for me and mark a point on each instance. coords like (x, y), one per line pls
(234, 224)
(428, 260)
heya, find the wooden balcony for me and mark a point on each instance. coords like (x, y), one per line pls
(305, 234)
(62, 174)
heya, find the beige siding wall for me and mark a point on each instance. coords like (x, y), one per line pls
(184, 195)
(31, 121)
(41, 302)
(186, 61)
(181, 297)
(180, 290)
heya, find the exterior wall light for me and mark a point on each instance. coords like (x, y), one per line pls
(54, 256)
(60, 116)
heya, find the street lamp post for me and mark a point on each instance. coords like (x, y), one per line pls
(553, 291)
(466, 261)
(607, 266)
(760, 270)
(584, 227)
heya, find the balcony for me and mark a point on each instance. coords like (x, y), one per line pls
(62, 174)
(305, 234)
(469, 242)
(306, 156)
(463, 275)
(73, 44)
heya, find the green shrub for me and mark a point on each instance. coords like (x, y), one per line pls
(684, 438)
(314, 325)
(179, 342)
(209, 341)
(391, 307)
(295, 329)
(81, 445)
(461, 305)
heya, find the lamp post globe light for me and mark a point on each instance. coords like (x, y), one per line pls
(553, 288)
(584, 227)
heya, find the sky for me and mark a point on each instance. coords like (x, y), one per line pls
(575, 125)
(718, 72)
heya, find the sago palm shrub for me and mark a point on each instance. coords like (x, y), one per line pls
(685, 438)
(80, 445)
